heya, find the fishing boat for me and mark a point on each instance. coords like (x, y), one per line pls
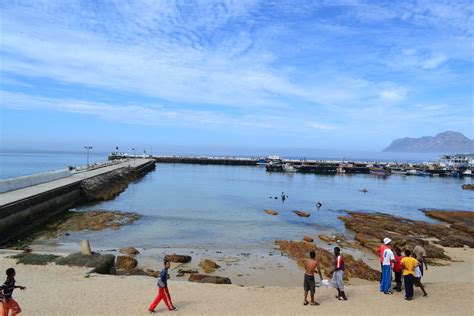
(467, 173)
(379, 172)
(261, 162)
(287, 167)
(399, 171)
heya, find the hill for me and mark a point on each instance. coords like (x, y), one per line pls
(446, 142)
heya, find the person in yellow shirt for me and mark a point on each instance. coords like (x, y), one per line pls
(408, 265)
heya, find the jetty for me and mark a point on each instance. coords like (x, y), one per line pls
(31, 202)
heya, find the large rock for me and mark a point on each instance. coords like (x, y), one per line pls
(301, 213)
(125, 262)
(129, 251)
(133, 271)
(103, 264)
(371, 228)
(178, 258)
(86, 248)
(202, 278)
(209, 266)
(468, 186)
(460, 220)
(299, 251)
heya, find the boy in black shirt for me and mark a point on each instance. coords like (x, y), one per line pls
(8, 303)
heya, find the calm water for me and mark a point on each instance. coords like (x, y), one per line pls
(193, 206)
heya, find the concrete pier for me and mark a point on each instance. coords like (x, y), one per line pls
(23, 209)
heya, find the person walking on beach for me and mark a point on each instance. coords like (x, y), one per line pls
(397, 269)
(338, 274)
(386, 279)
(8, 303)
(420, 255)
(311, 266)
(163, 292)
(409, 264)
(417, 278)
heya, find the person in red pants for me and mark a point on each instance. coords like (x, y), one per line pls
(9, 305)
(163, 292)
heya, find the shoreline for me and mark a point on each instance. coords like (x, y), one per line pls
(54, 290)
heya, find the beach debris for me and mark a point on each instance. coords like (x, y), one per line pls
(178, 258)
(203, 278)
(187, 271)
(102, 264)
(125, 262)
(86, 248)
(271, 212)
(129, 251)
(301, 213)
(299, 251)
(308, 239)
(405, 233)
(208, 266)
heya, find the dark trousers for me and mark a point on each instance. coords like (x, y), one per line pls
(408, 279)
(398, 280)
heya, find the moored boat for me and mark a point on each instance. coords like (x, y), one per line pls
(379, 172)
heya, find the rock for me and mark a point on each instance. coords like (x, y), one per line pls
(188, 271)
(86, 248)
(202, 278)
(371, 228)
(152, 273)
(271, 212)
(125, 262)
(326, 238)
(308, 239)
(178, 258)
(301, 213)
(460, 220)
(208, 265)
(106, 186)
(299, 251)
(468, 186)
(102, 264)
(133, 271)
(129, 251)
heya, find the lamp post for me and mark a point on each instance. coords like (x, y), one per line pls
(134, 155)
(88, 148)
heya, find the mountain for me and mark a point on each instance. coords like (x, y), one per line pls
(447, 142)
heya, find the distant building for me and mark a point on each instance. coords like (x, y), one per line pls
(458, 160)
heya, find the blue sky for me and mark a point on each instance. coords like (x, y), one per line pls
(299, 74)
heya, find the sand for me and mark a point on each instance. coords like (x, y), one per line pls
(59, 290)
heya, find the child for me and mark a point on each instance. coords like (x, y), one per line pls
(409, 264)
(397, 268)
(163, 292)
(9, 304)
(418, 275)
(338, 275)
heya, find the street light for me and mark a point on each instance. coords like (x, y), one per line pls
(133, 155)
(88, 148)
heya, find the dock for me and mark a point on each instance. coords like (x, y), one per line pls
(28, 207)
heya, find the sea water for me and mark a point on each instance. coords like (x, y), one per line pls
(187, 205)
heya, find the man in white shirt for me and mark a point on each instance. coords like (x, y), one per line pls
(388, 259)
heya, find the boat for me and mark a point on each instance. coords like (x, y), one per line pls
(287, 167)
(379, 172)
(399, 171)
(411, 172)
(467, 173)
(261, 162)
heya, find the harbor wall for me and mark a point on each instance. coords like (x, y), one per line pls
(22, 216)
(23, 182)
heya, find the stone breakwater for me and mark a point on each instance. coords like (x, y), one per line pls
(24, 210)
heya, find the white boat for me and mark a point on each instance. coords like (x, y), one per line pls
(289, 168)
(467, 173)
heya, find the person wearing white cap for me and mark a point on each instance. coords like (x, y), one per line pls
(388, 259)
(381, 250)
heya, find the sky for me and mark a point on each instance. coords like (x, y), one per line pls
(344, 75)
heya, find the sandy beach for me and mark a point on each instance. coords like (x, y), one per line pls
(59, 290)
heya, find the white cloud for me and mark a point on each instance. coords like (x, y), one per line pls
(434, 61)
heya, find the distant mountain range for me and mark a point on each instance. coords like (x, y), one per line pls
(447, 142)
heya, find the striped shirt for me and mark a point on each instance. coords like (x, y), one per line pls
(8, 287)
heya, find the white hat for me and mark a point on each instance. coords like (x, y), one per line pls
(387, 241)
